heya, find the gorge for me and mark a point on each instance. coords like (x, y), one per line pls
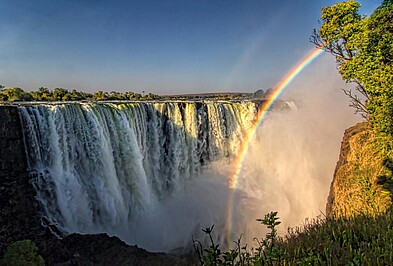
(155, 173)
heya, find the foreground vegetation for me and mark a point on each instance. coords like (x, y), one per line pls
(360, 240)
(22, 253)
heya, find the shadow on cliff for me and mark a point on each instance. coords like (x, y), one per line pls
(386, 180)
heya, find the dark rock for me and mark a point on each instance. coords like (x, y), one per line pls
(101, 249)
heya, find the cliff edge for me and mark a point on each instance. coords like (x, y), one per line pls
(359, 185)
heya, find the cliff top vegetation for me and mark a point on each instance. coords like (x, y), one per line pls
(16, 94)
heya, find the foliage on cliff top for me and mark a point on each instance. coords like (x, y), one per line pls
(60, 94)
(363, 48)
(16, 94)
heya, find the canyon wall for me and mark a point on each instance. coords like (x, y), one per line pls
(360, 184)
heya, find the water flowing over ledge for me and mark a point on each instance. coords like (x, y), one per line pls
(97, 166)
(93, 165)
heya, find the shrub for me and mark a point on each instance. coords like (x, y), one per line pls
(22, 253)
(357, 240)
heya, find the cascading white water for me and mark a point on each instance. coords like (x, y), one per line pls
(100, 167)
(155, 174)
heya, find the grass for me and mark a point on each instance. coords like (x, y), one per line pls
(360, 240)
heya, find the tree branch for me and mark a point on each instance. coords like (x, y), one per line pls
(356, 102)
(336, 48)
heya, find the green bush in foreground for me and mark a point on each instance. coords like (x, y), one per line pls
(22, 253)
(360, 240)
(267, 251)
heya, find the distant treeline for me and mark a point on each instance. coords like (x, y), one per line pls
(60, 94)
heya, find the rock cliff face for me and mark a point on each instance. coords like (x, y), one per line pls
(358, 185)
(19, 212)
(12, 158)
(20, 219)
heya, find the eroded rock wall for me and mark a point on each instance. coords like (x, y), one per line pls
(358, 182)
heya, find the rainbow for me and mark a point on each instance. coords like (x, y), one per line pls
(270, 100)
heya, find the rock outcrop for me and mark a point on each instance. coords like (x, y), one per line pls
(358, 185)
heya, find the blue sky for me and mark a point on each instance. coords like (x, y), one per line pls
(163, 47)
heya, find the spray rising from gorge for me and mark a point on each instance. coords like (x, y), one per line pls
(155, 174)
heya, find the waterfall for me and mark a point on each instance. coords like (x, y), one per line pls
(98, 166)
(156, 173)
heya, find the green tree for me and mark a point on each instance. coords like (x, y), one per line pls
(101, 96)
(42, 94)
(363, 48)
(75, 95)
(22, 253)
(135, 96)
(59, 93)
(14, 94)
